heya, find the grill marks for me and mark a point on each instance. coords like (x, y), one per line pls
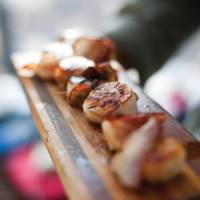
(109, 94)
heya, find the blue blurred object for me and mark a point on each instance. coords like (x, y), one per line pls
(16, 125)
(16, 130)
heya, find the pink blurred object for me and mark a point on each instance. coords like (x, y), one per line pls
(176, 85)
(178, 104)
(31, 181)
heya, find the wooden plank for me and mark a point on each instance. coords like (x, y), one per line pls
(80, 154)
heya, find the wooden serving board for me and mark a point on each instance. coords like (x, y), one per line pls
(80, 153)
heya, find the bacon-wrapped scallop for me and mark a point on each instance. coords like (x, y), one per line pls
(103, 71)
(71, 66)
(50, 58)
(146, 155)
(78, 89)
(98, 50)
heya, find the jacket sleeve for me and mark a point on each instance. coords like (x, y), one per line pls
(148, 31)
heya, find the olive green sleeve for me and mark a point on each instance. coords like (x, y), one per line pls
(148, 31)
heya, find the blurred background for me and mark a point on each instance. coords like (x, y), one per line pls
(26, 171)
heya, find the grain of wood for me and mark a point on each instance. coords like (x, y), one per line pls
(80, 153)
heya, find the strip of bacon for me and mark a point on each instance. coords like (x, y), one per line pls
(117, 128)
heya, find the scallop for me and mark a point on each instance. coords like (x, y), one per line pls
(110, 98)
(167, 161)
